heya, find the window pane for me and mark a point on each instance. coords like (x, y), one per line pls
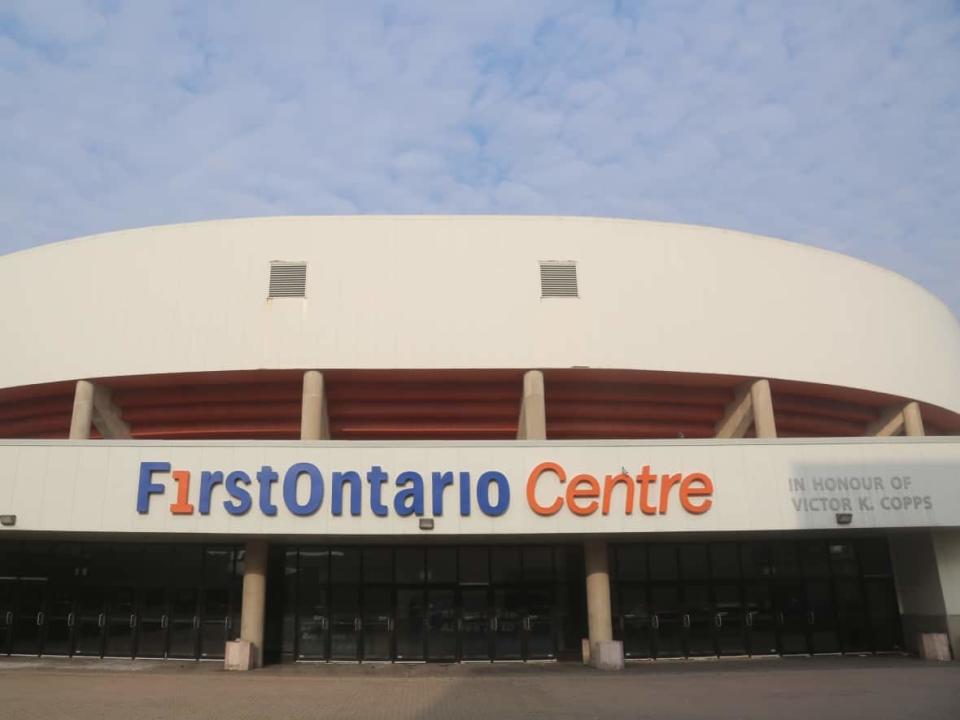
(474, 565)
(378, 565)
(409, 566)
(631, 562)
(441, 564)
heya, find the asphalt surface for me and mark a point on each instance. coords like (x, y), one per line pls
(787, 688)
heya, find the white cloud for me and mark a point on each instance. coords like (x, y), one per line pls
(833, 124)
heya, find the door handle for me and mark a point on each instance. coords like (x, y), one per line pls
(655, 622)
(70, 620)
(811, 618)
(324, 624)
(228, 623)
(749, 618)
(9, 617)
(718, 620)
(686, 620)
(164, 621)
(196, 622)
(357, 624)
(780, 618)
(101, 620)
(389, 624)
(40, 618)
(133, 620)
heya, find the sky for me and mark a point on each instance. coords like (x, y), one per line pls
(831, 124)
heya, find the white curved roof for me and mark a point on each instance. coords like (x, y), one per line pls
(464, 292)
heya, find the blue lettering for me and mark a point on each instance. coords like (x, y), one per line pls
(377, 477)
(208, 480)
(465, 494)
(409, 501)
(440, 482)
(337, 482)
(146, 488)
(242, 497)
(483, 493)
(290, 481)
(267, 477)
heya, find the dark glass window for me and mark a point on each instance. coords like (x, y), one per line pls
(663, 562)
(314, 565)
(409, 565)
(724, 560)
(537, 563)
(506, 564)
(474, 565)
(843, 558)
(631, 562)
(816, 561)
(442, 564)
(694, 562)
(874, 558)
(378, 565)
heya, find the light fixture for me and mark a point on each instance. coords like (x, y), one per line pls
(426, 523)
(8, 520)
(844, 518)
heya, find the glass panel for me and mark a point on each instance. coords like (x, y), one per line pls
(152, 627)
(28, 617)
(411, 619)
(635, 621)
(377, 565)
(540, 631)
(843, 559)
(874, 558)
(121, 621)
(289, 624)
(344, 621)
(442, 624)
(663, 562)
(505, 562)
(537, 564)
(377, 622)
(474, 633)
(786, 559)
(816, 560)
(345, 565)
(852, 611)
(631, 562)
(667, 620)
(91, 619)
(410, 565)
(725, 561)
(694, 562)
(508, 623)
(792, 617)
(215, 621)
(441, 565)
(884, 614)
(757, 559)
(474, 565)
(822, 617)
(312, 619)
(761, 619)
(314, 566)
(730, 619)
(58, 621)
(7, 606)
(700, 620)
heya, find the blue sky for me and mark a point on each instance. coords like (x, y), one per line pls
(834, 124)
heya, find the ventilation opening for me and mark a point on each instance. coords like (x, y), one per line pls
(288, 279)
(558, 279)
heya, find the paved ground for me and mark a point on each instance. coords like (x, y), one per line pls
(783, 689)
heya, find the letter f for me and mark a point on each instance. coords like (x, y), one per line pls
(146, 488)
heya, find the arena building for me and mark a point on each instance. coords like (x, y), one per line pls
(472, 438)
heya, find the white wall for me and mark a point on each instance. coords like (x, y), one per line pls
(435, 292)
(92, 487)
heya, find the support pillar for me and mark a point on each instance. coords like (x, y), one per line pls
(82, 417)
(533, 409)
(254, 599)
(605, 653)
(314, 422)
(926, 566)
(752, 406)
(763, 421)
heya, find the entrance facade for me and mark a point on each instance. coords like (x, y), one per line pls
(435, 603)
(119, 600)
(755, 598)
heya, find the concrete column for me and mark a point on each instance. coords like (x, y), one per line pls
(912, 420)
(763, 421)
(254, 598)
(314, 423)
(604, 652)
(926, 565)
(82, 417)
(533, 409)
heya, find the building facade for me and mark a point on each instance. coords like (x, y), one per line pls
(472, 438)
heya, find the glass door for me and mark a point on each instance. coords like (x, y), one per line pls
(851, 611)
(667, 620)
(507, 623)
(475, 624)
(28, 617)
(730, 619)
(635, 622)
(91, 622)
(377, 622)
(541, 637)
(884, 614)
(121, 622)
(792, 617)
(411, 623)
(153, 623)
(7, 608)
(184, 623)
(822, 618)
(312, 622)
(345, 622)
(59, 621)
(442, 624)
(215, 622)
(699, 620)
(760, 617)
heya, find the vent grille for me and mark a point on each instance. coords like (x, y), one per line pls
(558, 279)
(288, 279)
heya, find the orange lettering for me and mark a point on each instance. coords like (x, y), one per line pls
(574, 492)
(704, 489)
(609, 483)
(646, 479)
(182, 506)
(667, 482)
(539, 470)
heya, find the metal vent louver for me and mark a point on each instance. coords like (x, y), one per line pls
(558, 279)
(288, 279)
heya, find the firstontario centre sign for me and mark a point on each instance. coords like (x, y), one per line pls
(481, 489)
